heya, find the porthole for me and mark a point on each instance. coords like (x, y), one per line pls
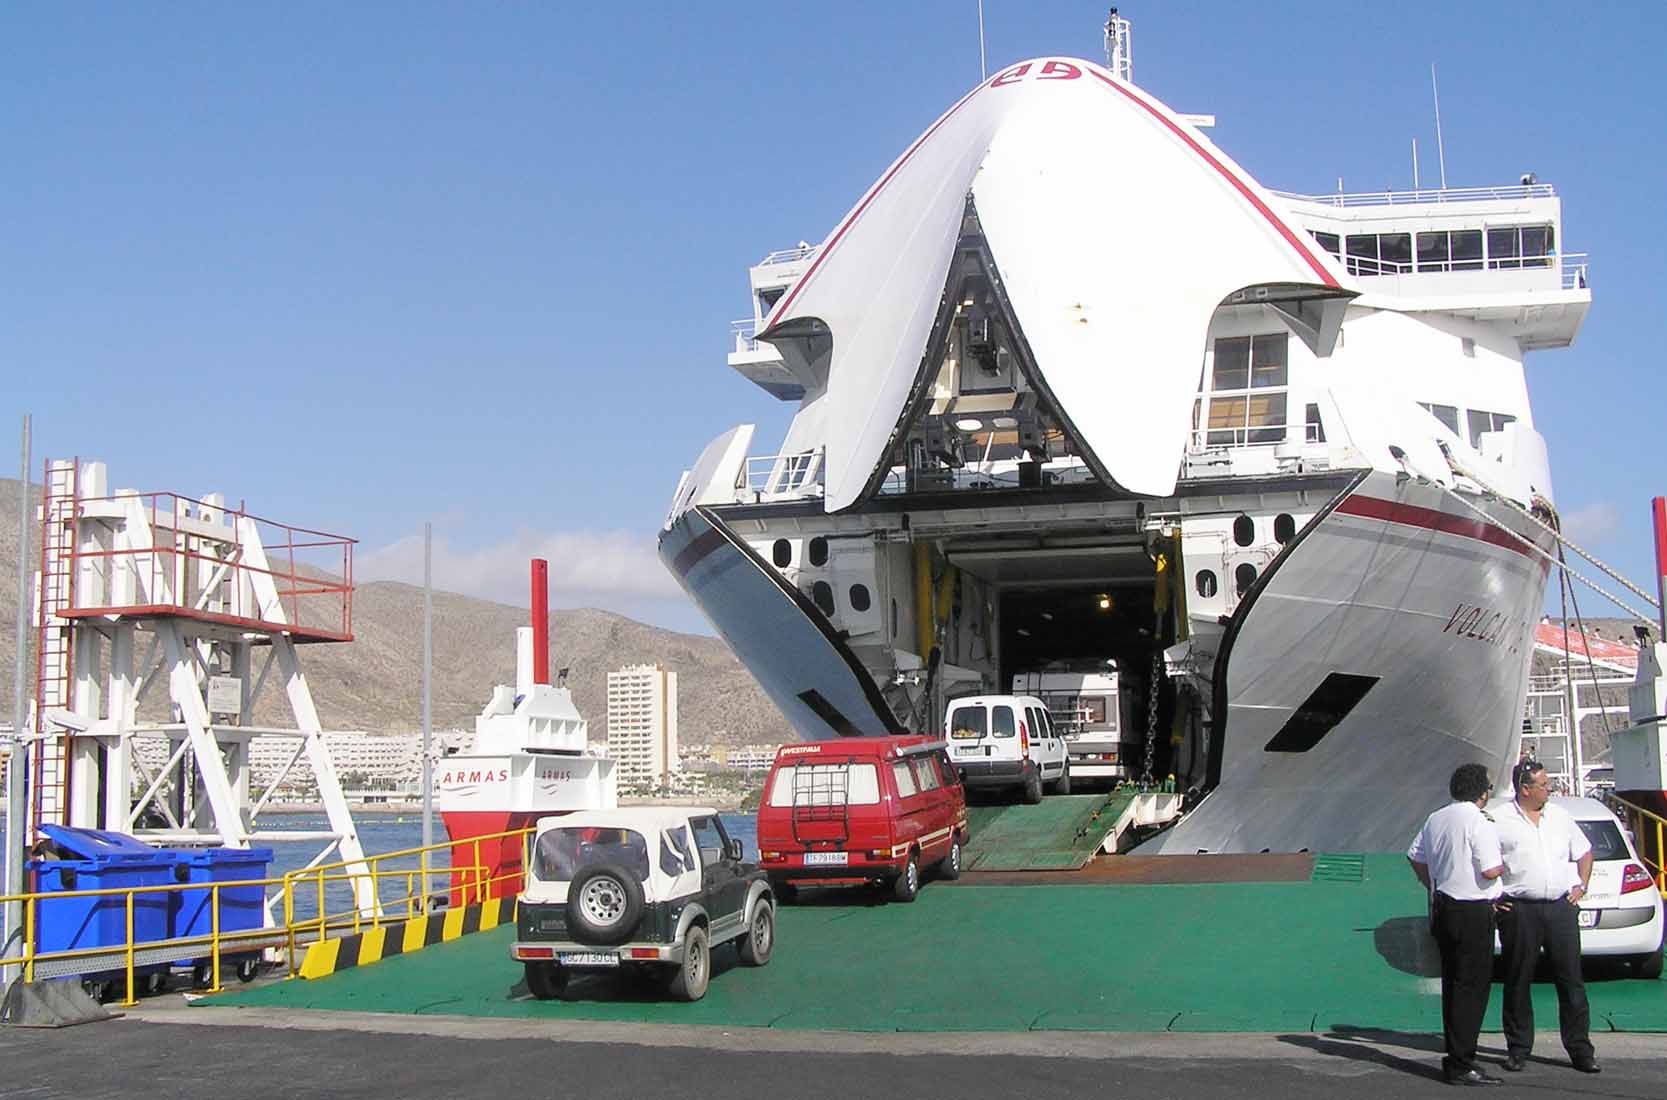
(1284, 528)
(821, 593)
(1244, 530)
(1205, 582)
(859, 597)
(818, 551)
(1243, 577)
(781, 552)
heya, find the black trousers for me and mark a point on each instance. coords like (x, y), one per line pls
(1524, 929)
(1464, 932)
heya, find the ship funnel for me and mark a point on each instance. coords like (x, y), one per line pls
(541, 621)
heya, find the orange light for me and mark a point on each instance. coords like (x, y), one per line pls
(645, 952)
(535, 953)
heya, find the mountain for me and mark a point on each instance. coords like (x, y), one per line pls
(374, 681)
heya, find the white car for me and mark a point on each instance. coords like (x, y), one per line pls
(1007, 741)
(1621, 915)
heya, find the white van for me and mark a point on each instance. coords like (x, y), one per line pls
(1007, 741)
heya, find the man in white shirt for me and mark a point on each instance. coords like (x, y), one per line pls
(1456, 856)
(1548, 862)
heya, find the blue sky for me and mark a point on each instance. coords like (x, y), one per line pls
(368, 265)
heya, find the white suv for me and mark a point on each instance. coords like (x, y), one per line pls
(1007, 741)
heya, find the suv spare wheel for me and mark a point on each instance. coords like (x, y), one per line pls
(604, 904)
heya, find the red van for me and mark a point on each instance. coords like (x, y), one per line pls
(861, 810)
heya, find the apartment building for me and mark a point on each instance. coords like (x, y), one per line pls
(642, 725)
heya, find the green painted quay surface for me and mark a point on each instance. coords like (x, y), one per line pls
(1345, 950)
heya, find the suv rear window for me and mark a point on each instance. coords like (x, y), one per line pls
(825, 785)
(562, 853)
(1607, 842)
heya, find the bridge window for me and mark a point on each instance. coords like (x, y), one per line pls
(1447, 414)
(1329, 242)
(1479, 422)
(1517, 246)
(1379, 253)
(1248, 390)
(1450, 250)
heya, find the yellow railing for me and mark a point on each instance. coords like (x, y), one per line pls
(471, 880)
(1644, 823)
(215, 944)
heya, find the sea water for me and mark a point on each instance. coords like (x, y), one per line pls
(381, 833)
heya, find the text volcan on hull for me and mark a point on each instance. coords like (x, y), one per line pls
(1247, 482)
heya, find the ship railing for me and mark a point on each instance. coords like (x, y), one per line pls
(316, 903)
(1426, 195)
(1572, 270)
(1646, 827)
(744, 334)
(773, 477)
(790, 255)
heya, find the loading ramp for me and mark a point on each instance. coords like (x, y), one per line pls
(1062, 832)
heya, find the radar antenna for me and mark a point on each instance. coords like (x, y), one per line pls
(1119, 51)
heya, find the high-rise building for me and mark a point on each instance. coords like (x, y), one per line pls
(642, 724)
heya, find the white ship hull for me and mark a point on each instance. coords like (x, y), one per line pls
(1395, 582)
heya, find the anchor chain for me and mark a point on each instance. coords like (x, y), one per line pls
(1152, 716)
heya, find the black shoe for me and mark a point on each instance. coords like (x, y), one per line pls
(1516, 1063)
(1587, 1065)
(1473, 1077)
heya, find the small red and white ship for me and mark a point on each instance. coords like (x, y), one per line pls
(531, 758)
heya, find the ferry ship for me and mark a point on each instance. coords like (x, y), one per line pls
(1075, 391)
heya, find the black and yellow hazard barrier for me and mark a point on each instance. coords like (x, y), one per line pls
(403, 937)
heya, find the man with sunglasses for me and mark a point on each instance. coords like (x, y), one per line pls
(1548, 862)
(1456, 856)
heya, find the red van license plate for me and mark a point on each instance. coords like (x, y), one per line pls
(827, 859)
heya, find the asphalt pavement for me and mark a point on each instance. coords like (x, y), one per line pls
(214, 1053)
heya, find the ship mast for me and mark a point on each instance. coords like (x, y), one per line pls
(1119, 49)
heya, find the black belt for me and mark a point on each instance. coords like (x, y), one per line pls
(1450, 900)
(1538, 901)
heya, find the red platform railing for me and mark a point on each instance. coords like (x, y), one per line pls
(196, 569)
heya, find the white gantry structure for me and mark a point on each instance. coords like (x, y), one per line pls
(159, 616)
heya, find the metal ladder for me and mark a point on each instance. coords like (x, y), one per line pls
(821, 793)
(54, 653)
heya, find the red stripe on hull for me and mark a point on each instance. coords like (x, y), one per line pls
(1431, 519)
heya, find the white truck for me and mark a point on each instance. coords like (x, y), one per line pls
(1095, 712)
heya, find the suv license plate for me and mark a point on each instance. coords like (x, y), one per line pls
(1588, 918)
(827, 859)
(588, 958)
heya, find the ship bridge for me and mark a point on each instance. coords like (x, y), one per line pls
(1490, 254)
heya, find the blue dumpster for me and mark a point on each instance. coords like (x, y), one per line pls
(96, 860)
(242, 908)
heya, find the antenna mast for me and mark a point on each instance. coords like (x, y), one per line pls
(983, 67)
(1440, 150)
(1119, 51)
